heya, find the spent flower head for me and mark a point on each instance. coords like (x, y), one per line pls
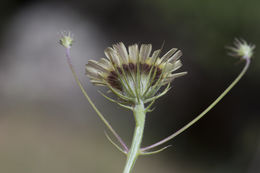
(242, 49)
(135, 74)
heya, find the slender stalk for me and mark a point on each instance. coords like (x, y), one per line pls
(91, 102)
(204, 112)
(134, 152)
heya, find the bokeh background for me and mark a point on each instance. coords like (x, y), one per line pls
(46, 125)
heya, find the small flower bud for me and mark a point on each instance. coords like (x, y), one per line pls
(66, 39)
(242, 49)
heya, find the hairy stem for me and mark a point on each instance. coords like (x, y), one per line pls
(134, 152)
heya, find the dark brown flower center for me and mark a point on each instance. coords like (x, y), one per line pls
(131, 68)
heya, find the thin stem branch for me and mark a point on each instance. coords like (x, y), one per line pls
(204, 112)
(91, 102)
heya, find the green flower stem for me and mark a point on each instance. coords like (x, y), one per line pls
(91, 102)
(204, 112)
(134, 152)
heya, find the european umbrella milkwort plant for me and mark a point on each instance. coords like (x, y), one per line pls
(136, 77)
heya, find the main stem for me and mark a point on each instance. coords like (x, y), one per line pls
(139, 114)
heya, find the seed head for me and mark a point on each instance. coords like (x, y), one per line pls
(135, 74)
(242, 49)
(66, 39)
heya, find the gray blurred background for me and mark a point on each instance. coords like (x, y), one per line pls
(46, 125)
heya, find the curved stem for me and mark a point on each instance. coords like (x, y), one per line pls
(134, 152)
(205, 111)
(91, 102)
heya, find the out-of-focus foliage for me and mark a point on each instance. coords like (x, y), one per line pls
(209, 25)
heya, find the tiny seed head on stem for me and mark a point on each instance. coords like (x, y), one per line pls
(241, 49)
(66, 39)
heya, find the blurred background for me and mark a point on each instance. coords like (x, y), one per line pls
(46, 125)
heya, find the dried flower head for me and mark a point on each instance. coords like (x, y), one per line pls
(135, 75)
(242, 49)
